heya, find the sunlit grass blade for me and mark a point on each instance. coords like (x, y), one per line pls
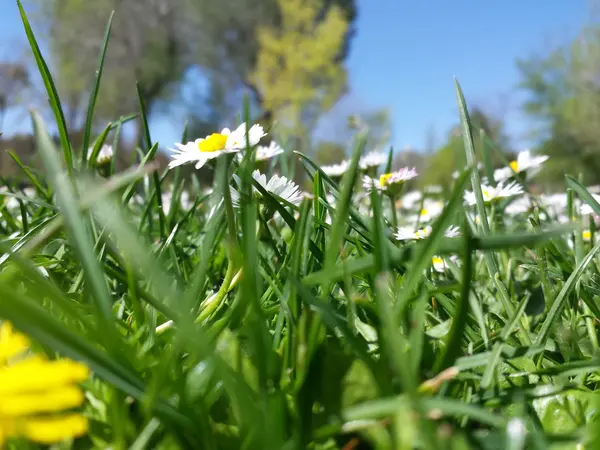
(51, 90)
(76, 225)
(452, 349)
(87, 128)
(343, 205)
(559, 302)
(426, 252)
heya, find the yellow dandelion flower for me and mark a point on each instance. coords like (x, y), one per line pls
(38, 394)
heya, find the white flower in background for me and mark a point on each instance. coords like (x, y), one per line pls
(518, 206)
(410, 199)
(280, 186)
(263, 152)
(586, 209)
(372, 160)
(185, 200)
(389, 180)
(556, 204)
(203, 149)
(29, 192)
(594, 189)
(440, 265)
(430, 210)
(525, 161)
(408, 233)
(336, 170)
(491, 193)
(165, 199)
(10, 201)
(104, 155)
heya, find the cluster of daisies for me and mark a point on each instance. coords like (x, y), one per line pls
(417, 210)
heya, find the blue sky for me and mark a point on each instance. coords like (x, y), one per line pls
(406, 53)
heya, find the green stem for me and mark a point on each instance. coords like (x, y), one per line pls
(394, 213)
(230, 214)
(212, 303)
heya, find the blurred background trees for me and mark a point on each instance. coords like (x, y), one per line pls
(196, 59)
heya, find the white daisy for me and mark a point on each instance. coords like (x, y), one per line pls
(336, 170)
(439, 265)
(104, 155)
(408, 233)
(430, 210)
(586, 209)
(410, 199)
(388, 181)
(595, 189)
(263, 152)
(491, 193)
(519, 206)
(280, 186)
(215, 145)
(525, 161)
(586, 235)
(372, 160)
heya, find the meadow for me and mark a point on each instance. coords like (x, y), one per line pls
(143, 310)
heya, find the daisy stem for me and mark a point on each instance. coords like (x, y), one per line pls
(394, 214)
(212, 303)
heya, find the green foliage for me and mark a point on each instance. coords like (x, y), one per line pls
(299, 85)
(302, 323)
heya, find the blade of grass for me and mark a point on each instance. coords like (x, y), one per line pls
(74, 221)
(87, 128)
(53, 97)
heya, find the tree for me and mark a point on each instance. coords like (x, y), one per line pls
(161, 44)
(564, 99)
(151, 43)
(14, 80)
(299, 74)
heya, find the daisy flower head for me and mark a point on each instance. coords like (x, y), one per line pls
(264, 152)
(430, 210)
(586, 209)
(279, 186)
(409, 199)
(336, 170)
(390, 182)
(104, 156)
(372, 160)
(519, 206)
(408, 233)
(227, 141)
(37, 394)
(525, 161)
(491, 193)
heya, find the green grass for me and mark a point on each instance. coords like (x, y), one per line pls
(270, 326)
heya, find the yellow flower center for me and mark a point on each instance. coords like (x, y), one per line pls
(437, 260)
(383, 179)
(586, 235)
(514, 165)
(213, 143)
(424, 212)
(486, 194)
